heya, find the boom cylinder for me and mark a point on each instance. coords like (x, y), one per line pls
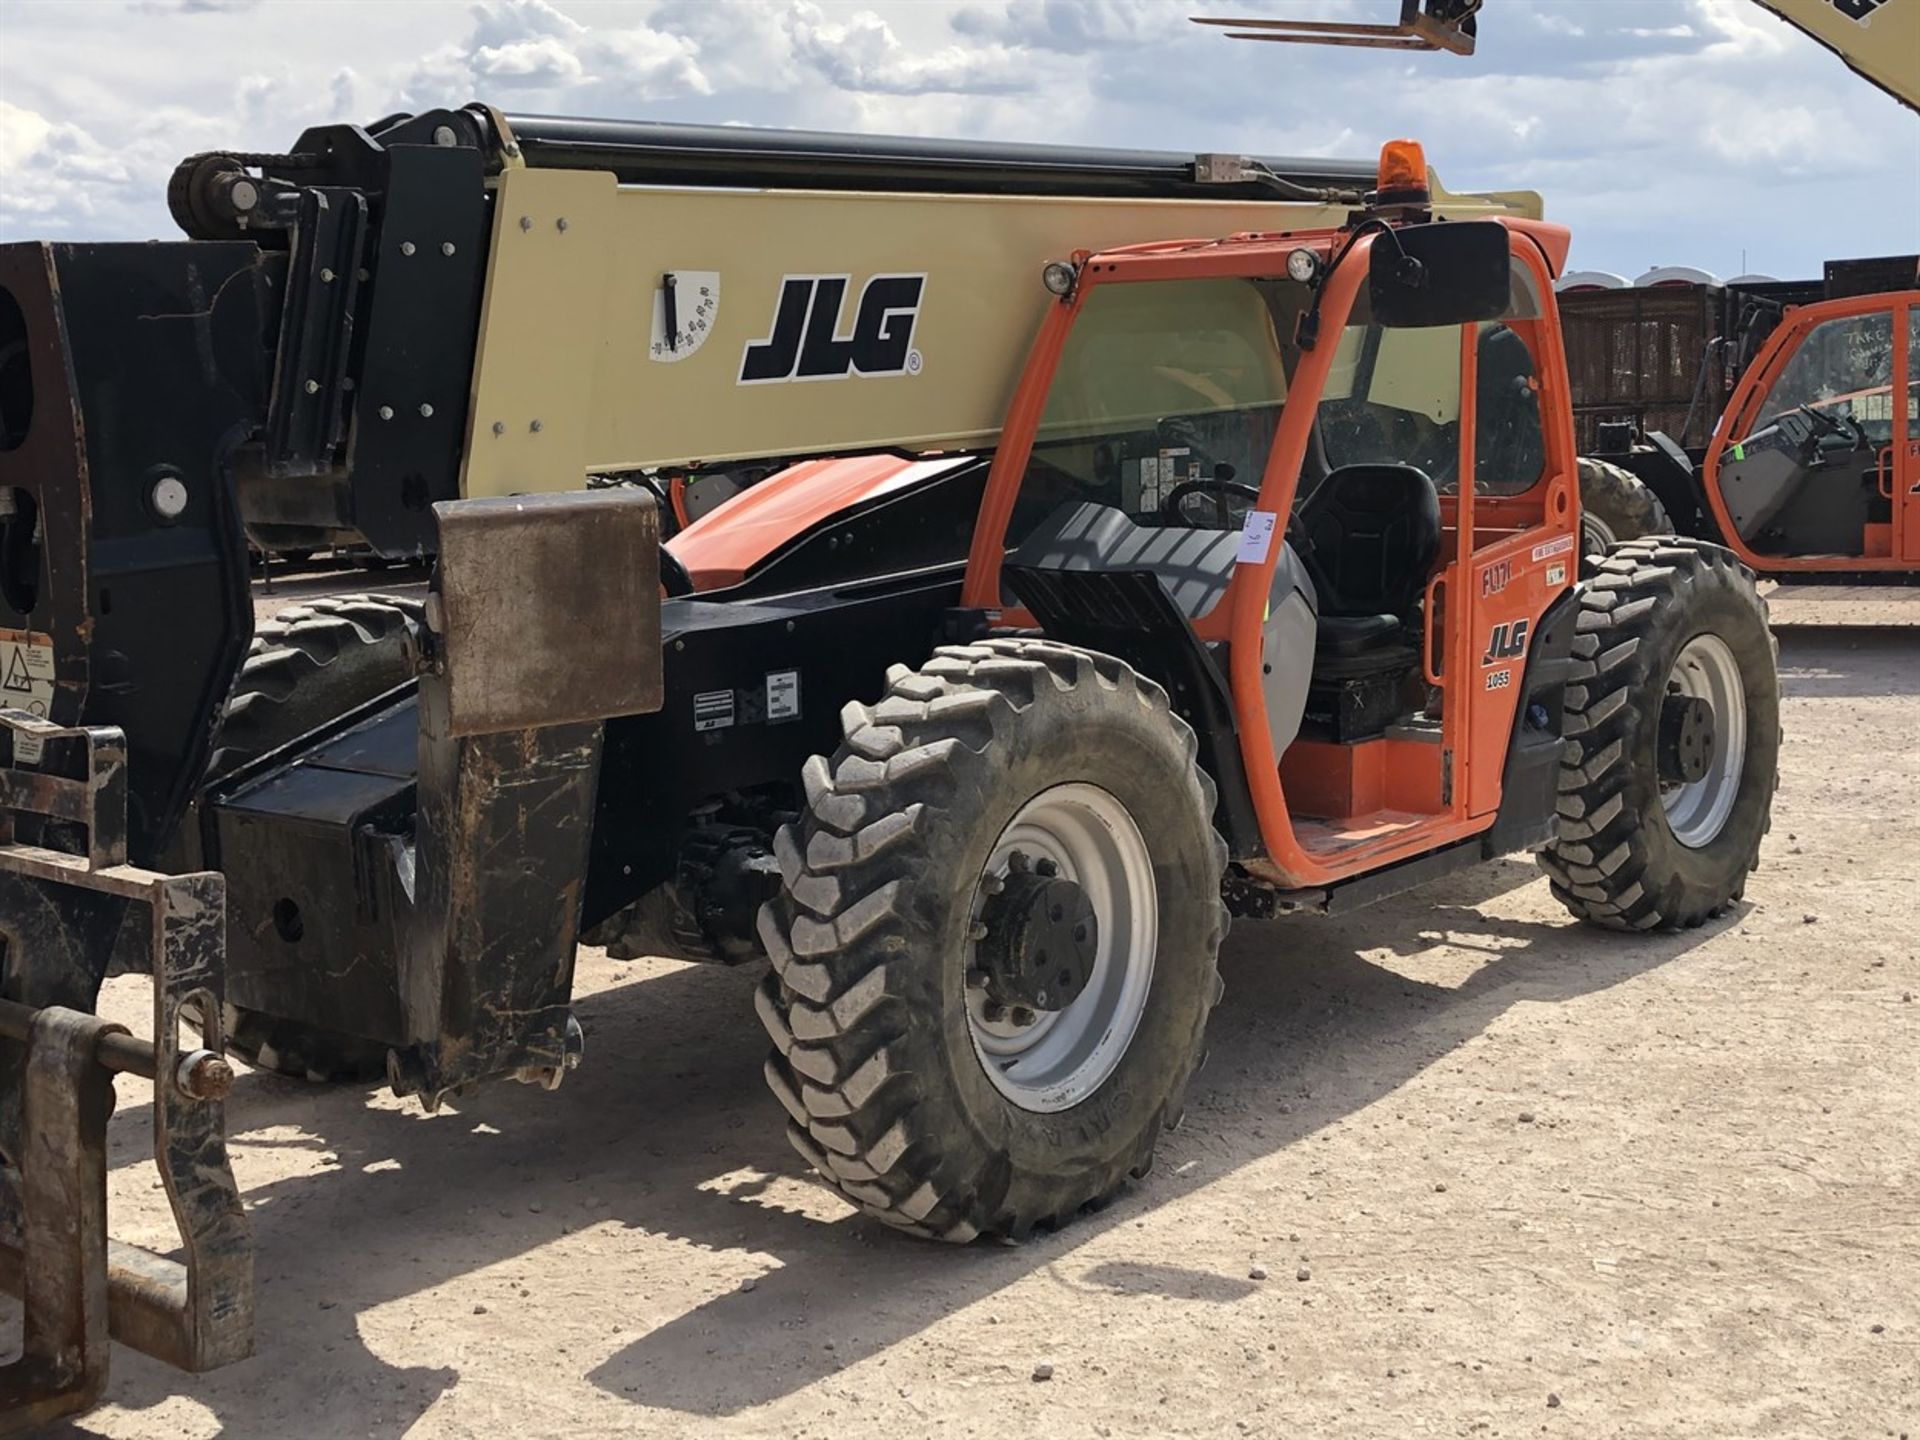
(642, 152)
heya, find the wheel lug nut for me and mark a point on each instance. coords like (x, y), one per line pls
(992, 885)
(993, 1012)
(976, 979)
(1024, 1016)
(1046, 868)
(976, 931)
(1017, 861)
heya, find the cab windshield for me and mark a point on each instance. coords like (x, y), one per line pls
(1166, 401)
(1838, 384)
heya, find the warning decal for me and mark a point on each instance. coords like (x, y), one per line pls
(713, 710)
(26, 682)
(783, 695)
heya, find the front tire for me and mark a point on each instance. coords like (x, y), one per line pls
(1673, 739)
(917, 1082)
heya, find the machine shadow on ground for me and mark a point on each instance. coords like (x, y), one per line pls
(667, 1130)
(1808, 655)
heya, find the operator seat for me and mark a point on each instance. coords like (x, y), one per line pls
(1368, 536)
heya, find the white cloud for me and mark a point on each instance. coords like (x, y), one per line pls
(1557, 24)
(52, 168)
(22, 135)
(1072, 27)
(1668, 130)
(195, 7)
(546, 61)
(861, 54)
(531, 52)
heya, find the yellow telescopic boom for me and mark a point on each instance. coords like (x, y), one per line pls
(838, 303)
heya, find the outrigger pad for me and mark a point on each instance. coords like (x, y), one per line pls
(546, 609)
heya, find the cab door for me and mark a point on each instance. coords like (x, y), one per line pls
(1903, 478)
(1524, 550)
(1813, 465)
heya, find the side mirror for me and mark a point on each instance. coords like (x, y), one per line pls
(1444, 273)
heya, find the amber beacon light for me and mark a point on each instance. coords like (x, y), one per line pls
(1402, 178)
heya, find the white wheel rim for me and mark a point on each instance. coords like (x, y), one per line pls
(1697, 811)
(1597, 534)
(1065, 1055)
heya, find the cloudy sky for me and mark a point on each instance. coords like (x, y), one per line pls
(1701, 132)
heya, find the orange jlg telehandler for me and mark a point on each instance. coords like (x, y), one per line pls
(1266, 599)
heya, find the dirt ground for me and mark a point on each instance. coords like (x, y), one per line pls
(1456, 1166)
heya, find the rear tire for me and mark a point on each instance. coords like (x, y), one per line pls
(308, 666)
(1661, 619)
(883, 1031)
(302, 1051)
(1615, 506)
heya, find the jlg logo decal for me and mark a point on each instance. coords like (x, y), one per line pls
(1860, 10)
(1508, 640)
(805, 341)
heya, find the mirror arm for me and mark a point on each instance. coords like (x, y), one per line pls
(1307, 332)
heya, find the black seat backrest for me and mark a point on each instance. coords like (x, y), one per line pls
(1369, 535)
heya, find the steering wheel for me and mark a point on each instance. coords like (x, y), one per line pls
(1842, 424)
(1218, 490)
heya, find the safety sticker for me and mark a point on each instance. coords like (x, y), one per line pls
(1553, 547)
(783, 695)
(1160, 473)
(685, 307)
(713, 710)
(1556, 574)
(1256, 537)
(1148, 487)
(26, 683)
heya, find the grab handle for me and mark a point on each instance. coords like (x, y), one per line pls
(1435, 675)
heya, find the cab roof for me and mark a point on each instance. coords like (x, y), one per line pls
(1553, 240)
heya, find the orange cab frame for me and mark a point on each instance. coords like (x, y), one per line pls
(1509, 560)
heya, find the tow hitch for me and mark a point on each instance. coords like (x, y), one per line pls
(72, 904)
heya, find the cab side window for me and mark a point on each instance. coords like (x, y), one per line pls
(1509, 440)
(1394, 396)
